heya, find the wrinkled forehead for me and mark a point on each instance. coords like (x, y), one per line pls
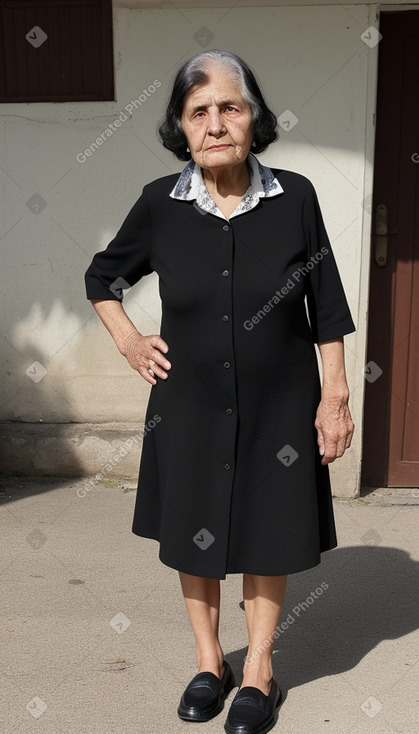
(220, 88)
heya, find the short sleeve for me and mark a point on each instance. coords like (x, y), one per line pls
(328, 309)
(126, 258)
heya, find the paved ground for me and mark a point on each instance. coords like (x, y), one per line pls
(95, 639)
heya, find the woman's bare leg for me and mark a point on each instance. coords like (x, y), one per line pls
(202, 599)
(263, 599)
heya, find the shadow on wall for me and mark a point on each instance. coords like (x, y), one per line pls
(60, 365)
(357, 597)
(57, 402)
(57, 394)
(36, 405)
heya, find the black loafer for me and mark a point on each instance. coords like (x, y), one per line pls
(204, 697)
(251, 712)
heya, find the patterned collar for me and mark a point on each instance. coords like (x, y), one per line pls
(190, 186)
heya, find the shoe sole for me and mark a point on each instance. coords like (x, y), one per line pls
(193, 715)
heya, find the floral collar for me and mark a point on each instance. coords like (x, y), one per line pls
(190, 186)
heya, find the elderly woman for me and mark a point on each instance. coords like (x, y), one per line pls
(234, 474)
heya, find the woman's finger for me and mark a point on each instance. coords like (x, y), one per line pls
(320, 441)
(146, 375)
(158, 358)
(330, 448)
(159, 343)
(341, 446)
(156, 369)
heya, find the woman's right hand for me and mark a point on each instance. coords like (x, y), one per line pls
(146, 355)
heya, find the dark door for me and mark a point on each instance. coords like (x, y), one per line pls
(391, 413)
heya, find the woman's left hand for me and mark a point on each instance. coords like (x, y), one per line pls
(334, 428)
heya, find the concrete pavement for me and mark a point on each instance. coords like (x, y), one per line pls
(95, 637)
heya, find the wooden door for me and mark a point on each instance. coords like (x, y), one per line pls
(391, 413)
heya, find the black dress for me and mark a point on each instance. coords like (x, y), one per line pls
(230, 476)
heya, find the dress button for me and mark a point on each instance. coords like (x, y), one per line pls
(225, 317)
(225, 273)
(226, 365)
(229, 411)
(226, 466)
(226, 228)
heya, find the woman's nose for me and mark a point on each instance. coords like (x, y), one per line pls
(215, 122)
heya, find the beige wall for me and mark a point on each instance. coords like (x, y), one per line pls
(310, 60)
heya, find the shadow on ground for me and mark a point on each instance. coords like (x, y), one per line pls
(371, 596)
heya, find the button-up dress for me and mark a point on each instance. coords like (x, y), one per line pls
(231, 479)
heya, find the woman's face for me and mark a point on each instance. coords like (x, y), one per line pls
(217, 122)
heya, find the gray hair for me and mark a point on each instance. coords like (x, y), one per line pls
(230, 64)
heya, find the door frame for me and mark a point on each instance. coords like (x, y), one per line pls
(359, 357)
(367, 236)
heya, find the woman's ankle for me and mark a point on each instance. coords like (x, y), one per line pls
(258, 676)
(211, 662)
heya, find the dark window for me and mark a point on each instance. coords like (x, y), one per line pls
(56, 50)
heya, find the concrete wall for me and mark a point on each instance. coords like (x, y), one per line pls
(62, 205)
